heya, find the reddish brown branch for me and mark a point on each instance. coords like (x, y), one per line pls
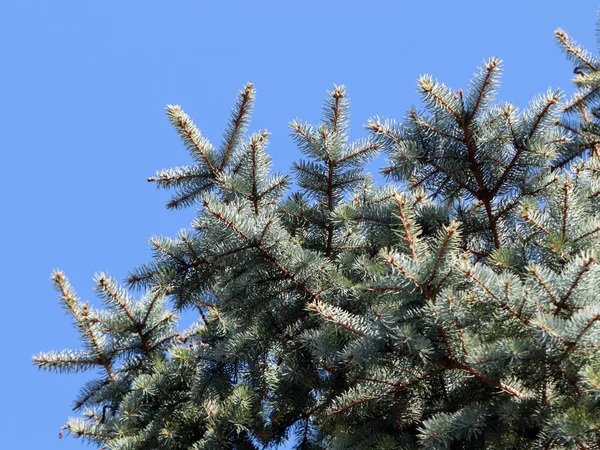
(237, 123)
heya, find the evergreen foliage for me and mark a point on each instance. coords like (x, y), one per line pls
(456, 307)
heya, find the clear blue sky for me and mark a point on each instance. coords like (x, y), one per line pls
(83, 90)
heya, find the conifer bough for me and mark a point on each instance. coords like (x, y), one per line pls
(455, 308)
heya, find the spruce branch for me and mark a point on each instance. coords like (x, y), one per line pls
(544, 113)
(525, 214)
(67, 361)
(574, 51)
(438, 95)
(358, 154)
(520, 148)
(579, 101)
(409, 226)
(484, 85)
(448, 235)
(586, 264)
(337, 108)
(342, 409)
(566, 187)
(588, 324)
(395, 262)
(586, 234)
(265, 252)
(513, 391)
(108, 287)
(199, 147)
(257, 141)
(90, 391)
(469, 272)
(185, 199)
(535, 272)
(240, 116)
(337, 316)
(460, 313)
(81, 313)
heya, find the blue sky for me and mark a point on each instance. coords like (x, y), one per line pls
(82, 124)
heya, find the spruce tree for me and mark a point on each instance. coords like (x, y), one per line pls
(456, 307)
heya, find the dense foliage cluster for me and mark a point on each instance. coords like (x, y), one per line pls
(456, 307)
